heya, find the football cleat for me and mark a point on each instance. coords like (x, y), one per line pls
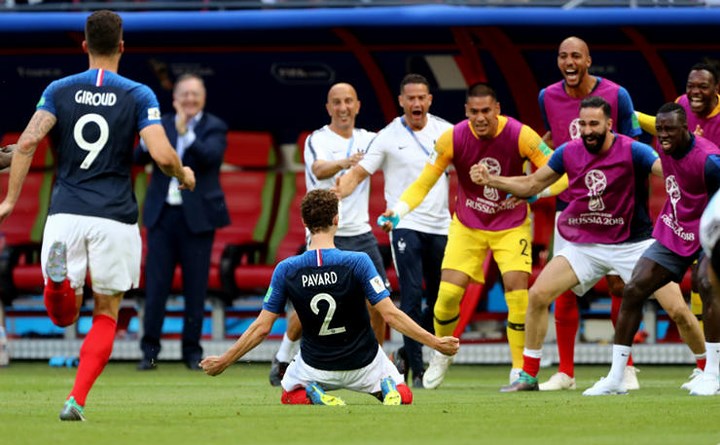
(277, 371)
(707, 385)
(400, 360)
(56, 267)
(72, 411)
(525, 382)
(605, 387)
(435, 373)
(318, 397)
(558, 382)
(390, 394)
(693, 379)
(630, 380)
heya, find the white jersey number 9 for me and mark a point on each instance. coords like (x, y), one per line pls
(92, 147)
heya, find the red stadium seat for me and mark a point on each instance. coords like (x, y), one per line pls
(288, 238)
(20, 265)
(249, 182)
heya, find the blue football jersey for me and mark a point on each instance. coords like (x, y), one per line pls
(99, 114)
(328, 289)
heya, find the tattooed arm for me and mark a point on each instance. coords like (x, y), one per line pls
(36, 130)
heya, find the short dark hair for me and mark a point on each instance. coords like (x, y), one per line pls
(413, 78)
(673, 107)
(103, 32)
(709, 67)
(597, 102)
(318, 208)
(481, 89)
(186, 76)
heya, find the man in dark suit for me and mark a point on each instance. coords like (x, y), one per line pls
(181, 226)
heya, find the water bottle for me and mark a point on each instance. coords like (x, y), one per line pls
(4, 352)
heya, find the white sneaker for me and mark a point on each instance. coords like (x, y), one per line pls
(630, 380)
(693, 379)
(514, 374)
(435, 373)
(707, 385)
(558, 382)
(605, 387)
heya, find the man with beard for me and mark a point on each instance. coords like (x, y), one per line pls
(606, 224)
(691, 165)
(559, 105)
(484, 219)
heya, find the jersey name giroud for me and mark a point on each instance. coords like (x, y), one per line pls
(95, 99)
(319, 279)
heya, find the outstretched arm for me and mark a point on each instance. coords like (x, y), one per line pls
(347, 183)
(39, 126)
(405, 325)
(165, 156)
(253, 336)
(520, 186)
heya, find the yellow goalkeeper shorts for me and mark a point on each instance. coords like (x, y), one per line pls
(467, 248)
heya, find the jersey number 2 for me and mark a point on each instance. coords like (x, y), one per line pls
(324, 329)
(93, 147)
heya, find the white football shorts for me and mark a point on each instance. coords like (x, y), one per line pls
(366, 380)
(590, 262)
(110, 250)
(560, 243)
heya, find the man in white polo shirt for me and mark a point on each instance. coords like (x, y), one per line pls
(401, 150)
(329, 152)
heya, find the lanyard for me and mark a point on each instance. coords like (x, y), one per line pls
(420, 144)
(412, 133)
(350, 145)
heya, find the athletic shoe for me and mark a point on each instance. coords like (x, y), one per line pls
(630, 380)
(558, 382)
(72, 411)
(277, 371)
(418, 381)
(693, 379)
(56, 267)
(147, 364)
(605, 387)
(435, 373)
(390, 394)
(400, 360)
(707, 385)
(318, 397)
(514, 375)
(525, 382)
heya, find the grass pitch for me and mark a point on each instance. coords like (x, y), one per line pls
(175, 406)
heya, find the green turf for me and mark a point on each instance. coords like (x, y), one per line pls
(175, 406)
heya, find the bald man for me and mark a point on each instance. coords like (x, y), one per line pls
(560, 106)
(329, 152)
